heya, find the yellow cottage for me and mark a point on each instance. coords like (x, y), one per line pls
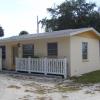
(70, 52)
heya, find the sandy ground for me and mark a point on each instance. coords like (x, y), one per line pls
(25, 87)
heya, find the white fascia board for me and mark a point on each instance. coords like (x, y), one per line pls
(84, 30)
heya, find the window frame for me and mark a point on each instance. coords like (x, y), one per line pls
(85, 52)
(50, 51)
(28, 54)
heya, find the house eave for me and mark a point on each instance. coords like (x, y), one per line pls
(55, 34)
(34, 38)
(85, 30)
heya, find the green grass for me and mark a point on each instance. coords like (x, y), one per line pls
(92, 77)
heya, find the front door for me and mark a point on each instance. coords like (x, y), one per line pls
(14, 55)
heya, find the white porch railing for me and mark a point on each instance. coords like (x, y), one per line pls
(42, 65)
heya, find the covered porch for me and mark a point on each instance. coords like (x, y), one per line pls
(48, 56)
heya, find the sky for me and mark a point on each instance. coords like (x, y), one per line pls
(19, 15)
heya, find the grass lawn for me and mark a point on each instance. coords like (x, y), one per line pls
(92, 77)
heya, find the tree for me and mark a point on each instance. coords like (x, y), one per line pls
(1, 32)
(23, 33)
(72, 14)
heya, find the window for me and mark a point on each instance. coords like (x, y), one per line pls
(28, 50)
(52, 49)
(84, 50)
(3, 52)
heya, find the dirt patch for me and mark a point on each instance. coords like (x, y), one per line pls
(27, 90)
(32, 84)
(25, 97)
(67, 89)
(89, 92)
(43, 98)
(37, 88)
(14, 86)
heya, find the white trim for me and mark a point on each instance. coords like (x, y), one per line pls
(88, 29)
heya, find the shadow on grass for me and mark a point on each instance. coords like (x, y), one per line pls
(92, 77)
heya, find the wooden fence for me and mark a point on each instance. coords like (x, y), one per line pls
(42, 65)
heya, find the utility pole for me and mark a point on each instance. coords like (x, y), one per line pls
(37, 25)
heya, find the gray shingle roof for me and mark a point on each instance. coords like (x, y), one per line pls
(61, 33)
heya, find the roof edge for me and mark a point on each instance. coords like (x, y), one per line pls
(84, 30)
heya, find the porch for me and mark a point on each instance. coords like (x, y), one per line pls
(48, 56)
(42, 65)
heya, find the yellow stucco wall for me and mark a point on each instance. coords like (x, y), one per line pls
(40, 46)
(79, 66)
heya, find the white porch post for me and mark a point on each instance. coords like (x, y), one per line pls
(16, 63)
(20, 52)
(45, 66)
(8, 57)
(65, 68)
(29, 65)
(0, 59)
